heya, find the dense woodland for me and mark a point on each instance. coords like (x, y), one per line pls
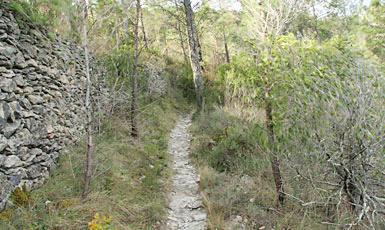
(289, 129)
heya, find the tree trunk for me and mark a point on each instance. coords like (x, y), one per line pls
(200, 52)
(87, 178)
(134, 102)
(274, 160)
(194, 54)
(180, 32)
(117, 31)
(125, 5)
(226, 48)
(315, 22)
(143, 30)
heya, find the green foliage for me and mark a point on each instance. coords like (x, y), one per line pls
(40, 12)
(52, 36)
(281, 65)
(225, 142)
(221, 74)
(374, 28)
(119, 65)
(335, 117)
(326, 100)
(28, 12)
(235, 174)
(184, 81)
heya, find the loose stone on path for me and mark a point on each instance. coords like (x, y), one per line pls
(186, 211)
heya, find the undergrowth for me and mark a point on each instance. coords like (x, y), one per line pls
(39, 13)
(237, 186)
(27, 12)
(129, 179)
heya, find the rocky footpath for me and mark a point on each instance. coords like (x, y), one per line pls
(185, 209)
(42, 97)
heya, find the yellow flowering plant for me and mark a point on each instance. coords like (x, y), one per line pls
(100, 223)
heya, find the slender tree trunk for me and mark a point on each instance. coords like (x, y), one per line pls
(180, 32)
(117, 31)
(87, 178)
(134, 103)
(226, 48)
(188, 41)
(194, 53)
(300, 31)
(143, 30)
(274, 160)
(200, 52)
(125, 5)
(315, 21)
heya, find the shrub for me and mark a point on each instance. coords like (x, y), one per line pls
(226, 143)
(100, 223)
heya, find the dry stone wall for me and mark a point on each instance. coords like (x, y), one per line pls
(157, 82)
(42, 96)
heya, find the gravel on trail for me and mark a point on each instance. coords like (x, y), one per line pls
(185, 209)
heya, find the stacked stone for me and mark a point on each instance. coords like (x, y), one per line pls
(157, 82)
(42, 97)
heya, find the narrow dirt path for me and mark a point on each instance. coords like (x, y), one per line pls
(185, 209)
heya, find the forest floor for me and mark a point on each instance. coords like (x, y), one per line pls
(185, 208)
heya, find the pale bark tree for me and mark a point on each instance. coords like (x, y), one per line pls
(134, 102)
(180, 33)
(269, 17)
(117, 30)
(194, 52)
(126, 6)
(87, 178)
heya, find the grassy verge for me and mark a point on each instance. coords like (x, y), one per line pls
(237, 186)
(129, 184)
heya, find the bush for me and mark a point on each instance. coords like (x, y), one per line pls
(334, 126)
(327, 120)
(226, 143)
(184, 81)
